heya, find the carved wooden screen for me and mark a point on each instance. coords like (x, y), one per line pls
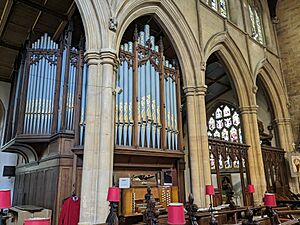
(228, 155)
(50, 89)
(275, 168)
(148, 105)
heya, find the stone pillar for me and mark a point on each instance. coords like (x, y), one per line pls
(198, 143)
(255, 160)
(98, 146)
(285, 138)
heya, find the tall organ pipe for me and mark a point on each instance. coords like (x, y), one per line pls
(130, 96)
(143, 95)
(125, 97)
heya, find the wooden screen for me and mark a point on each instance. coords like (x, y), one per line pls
(228, 156)
(148, 103)
(275, 168)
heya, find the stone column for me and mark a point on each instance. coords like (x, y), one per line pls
(198, 143)
(98, 147)
(285, 138)
(255, 160)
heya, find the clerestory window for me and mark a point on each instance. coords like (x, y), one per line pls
(256, 21)
(219, 6)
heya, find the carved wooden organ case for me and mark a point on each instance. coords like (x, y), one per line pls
(48, 94)
(148, 120)
(45, 119)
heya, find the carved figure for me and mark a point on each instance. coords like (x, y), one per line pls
(150, 215)
(191, 209)
(264, 137)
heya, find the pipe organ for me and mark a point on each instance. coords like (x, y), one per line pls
(148, 113)
(52, 84)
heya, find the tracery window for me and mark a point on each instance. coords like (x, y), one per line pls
(148, 105)
(220, 6)
(224, 123)
(256, 21)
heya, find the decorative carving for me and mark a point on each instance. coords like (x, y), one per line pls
(112, 218)
(150, 214)
(226, 186)
(272, 215)
(264, 137)
(113, 23)
(249, 216)
(191, 209)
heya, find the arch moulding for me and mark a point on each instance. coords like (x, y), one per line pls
(94, 16)
(235, 62)
(274, 88)
(173, 23)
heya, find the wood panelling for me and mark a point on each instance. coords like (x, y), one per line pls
(46, 184)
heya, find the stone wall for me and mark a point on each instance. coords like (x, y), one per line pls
(288, 30)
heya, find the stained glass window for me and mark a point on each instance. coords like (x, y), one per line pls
(224, 123)
(255, 18)
(212, 162)
(218, 5)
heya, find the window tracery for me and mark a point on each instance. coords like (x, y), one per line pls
(256, 21)
(224, 123)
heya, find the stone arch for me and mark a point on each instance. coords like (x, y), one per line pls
(171, 20)
(236, 64)
(95, 16)
(274, 87)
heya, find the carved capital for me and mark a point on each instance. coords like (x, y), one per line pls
(248, 109)
(195, 90)
(282, 121)
(92, 57)
(108, 56)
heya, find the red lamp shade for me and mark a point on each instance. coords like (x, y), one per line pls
(250, 188)
(209, 190)
(37, 221)
(176, 214)
(4, 199)
(113, 194)
(270, 200)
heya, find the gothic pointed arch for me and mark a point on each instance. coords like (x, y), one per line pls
(274, 86)
(236, 64)
(95, 17)
(175, 26)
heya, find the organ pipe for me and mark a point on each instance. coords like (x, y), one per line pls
(147, 107)
(49, 87)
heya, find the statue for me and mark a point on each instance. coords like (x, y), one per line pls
(191, 209)
(150, 215)
(226, 186)
(264, 137)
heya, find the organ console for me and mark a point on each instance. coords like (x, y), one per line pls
(133, 199)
